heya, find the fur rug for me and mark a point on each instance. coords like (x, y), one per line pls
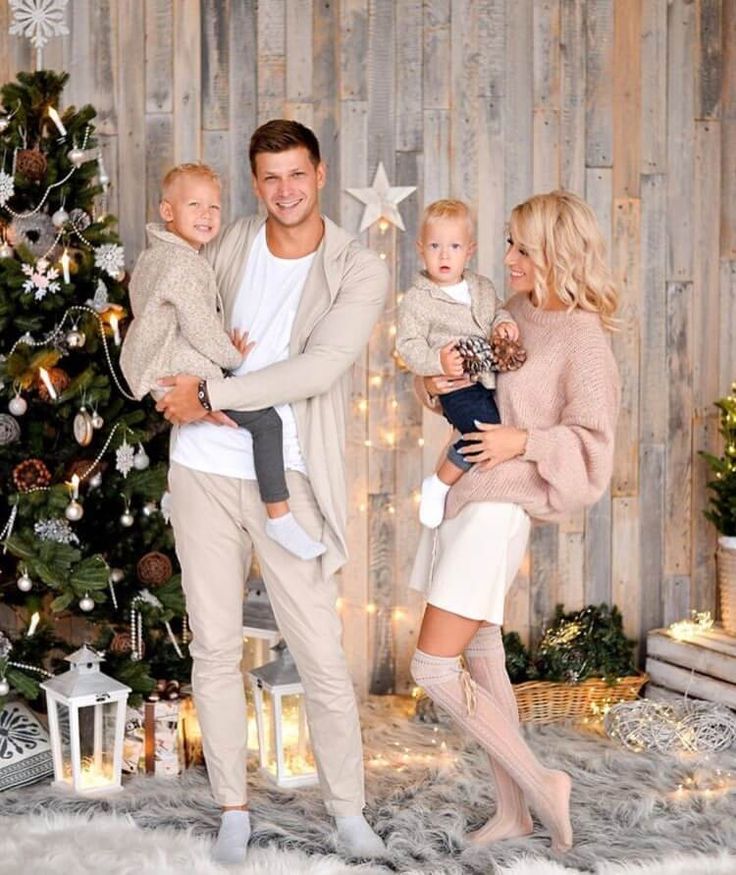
(426, 787)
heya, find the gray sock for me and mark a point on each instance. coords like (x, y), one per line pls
(232, 839)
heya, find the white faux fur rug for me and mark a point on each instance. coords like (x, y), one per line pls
(426, 787)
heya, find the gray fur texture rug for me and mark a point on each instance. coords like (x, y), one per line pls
(426, 787)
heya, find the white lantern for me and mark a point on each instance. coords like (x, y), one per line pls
(86, 724)
(281, 719)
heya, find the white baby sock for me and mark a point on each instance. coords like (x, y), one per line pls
(432, 503)
(285, 530)
(232, 839)
(357, 837)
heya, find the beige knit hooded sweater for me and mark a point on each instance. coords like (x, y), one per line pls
(567, 397)
(178, 324)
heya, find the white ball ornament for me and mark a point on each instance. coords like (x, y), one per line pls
(86, 604)
(97, 422)
(74, 511)
(127, 519)
(76, 156)
(75, 339)
(4, 122)
(140, 459)
(4, 687)
(24, 582)
(60, 218)
(18, 405)
(6, 250)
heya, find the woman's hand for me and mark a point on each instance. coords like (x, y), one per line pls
(494, 444)
(441, 385)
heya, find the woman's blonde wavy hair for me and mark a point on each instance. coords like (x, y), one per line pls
(560, 233)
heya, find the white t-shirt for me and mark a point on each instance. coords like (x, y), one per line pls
(458, 292)
(265, 307)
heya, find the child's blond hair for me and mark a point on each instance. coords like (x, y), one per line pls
(195, 168)
(448, 208)
(560, 233)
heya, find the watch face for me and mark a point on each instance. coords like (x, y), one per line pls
(83, 428)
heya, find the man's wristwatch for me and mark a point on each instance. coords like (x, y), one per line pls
(203, 396)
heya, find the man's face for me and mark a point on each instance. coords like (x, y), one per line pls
(288, 184)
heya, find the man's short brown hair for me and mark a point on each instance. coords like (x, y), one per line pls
(279, 135)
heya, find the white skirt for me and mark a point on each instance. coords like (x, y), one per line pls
(467, 565)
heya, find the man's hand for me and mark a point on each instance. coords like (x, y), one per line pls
(509, 330)
(180, 404)
(451, 360)
(240, 342)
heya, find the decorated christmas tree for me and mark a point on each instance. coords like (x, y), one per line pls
(87, 553)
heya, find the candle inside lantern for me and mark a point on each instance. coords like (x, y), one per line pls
(113, 321)
(54, 116)
(65, 259)
(44, 375)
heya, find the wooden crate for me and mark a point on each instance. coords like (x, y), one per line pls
(703, 667)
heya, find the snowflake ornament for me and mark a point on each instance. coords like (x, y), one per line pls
(7, 187)
(110, 257)
(124, 458)
(39, 20)
(41, 279)
(57, 530)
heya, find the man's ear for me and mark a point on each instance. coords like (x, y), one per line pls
(165, 211)
(321, 174)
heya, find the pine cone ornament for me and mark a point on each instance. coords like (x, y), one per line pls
(508, 355)
(32, 164)
(31, 474)
(154, 569)
(477, 355)
(59, 380)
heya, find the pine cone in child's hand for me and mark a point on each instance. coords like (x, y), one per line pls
(508, 355)
(477, 355)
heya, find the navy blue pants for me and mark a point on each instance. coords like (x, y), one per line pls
(461, 409)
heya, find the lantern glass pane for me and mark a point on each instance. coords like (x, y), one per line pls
(268, 742)
(97, 744)
(256, 651)
(62, 717)
(298, 757)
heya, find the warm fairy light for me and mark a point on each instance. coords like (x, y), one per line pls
(363, 405)
(64, 261)
(394, 403)
(685, 630)
(33, 625)
(398, 614)
(389, 437)
(420, 442)
(55, 118)
(392, 331)
(339, 602)
(362, 507)
(416, 496)
(391, 509)
(371, 608)
(382, 256)
(367, 443)
(383, 225)
(112, 320)
(376, 380)
(44, 375)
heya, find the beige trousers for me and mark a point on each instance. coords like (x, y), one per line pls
(217, 522)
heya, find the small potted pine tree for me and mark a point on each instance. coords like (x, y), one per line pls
(722, 509)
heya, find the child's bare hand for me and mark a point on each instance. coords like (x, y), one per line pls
(509, 330)
(240, 341)
(451, 360)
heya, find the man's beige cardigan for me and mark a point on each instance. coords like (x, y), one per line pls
(342, 299)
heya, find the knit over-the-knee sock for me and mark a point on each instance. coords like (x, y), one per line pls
(486, 661)
(547, 790)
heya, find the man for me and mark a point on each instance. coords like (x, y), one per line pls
(308, 295)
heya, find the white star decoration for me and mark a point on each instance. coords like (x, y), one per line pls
(381, 200)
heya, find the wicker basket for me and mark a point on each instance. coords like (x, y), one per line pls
(548, 702)
(726, 565)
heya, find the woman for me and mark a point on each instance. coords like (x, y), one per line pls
(553, 454)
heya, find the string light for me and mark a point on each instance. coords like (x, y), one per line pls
(699, 623)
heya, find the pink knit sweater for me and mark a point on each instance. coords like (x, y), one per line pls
(566, 396)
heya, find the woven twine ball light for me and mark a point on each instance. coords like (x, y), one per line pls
(121, 643)
(9, 429)
(688, 726)
(32, 164)
(59, 380)
(31, 474)
(154, 569)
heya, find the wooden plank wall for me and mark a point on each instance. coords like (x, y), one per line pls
(631, 103)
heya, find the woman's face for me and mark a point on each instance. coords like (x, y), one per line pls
(521, 267)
